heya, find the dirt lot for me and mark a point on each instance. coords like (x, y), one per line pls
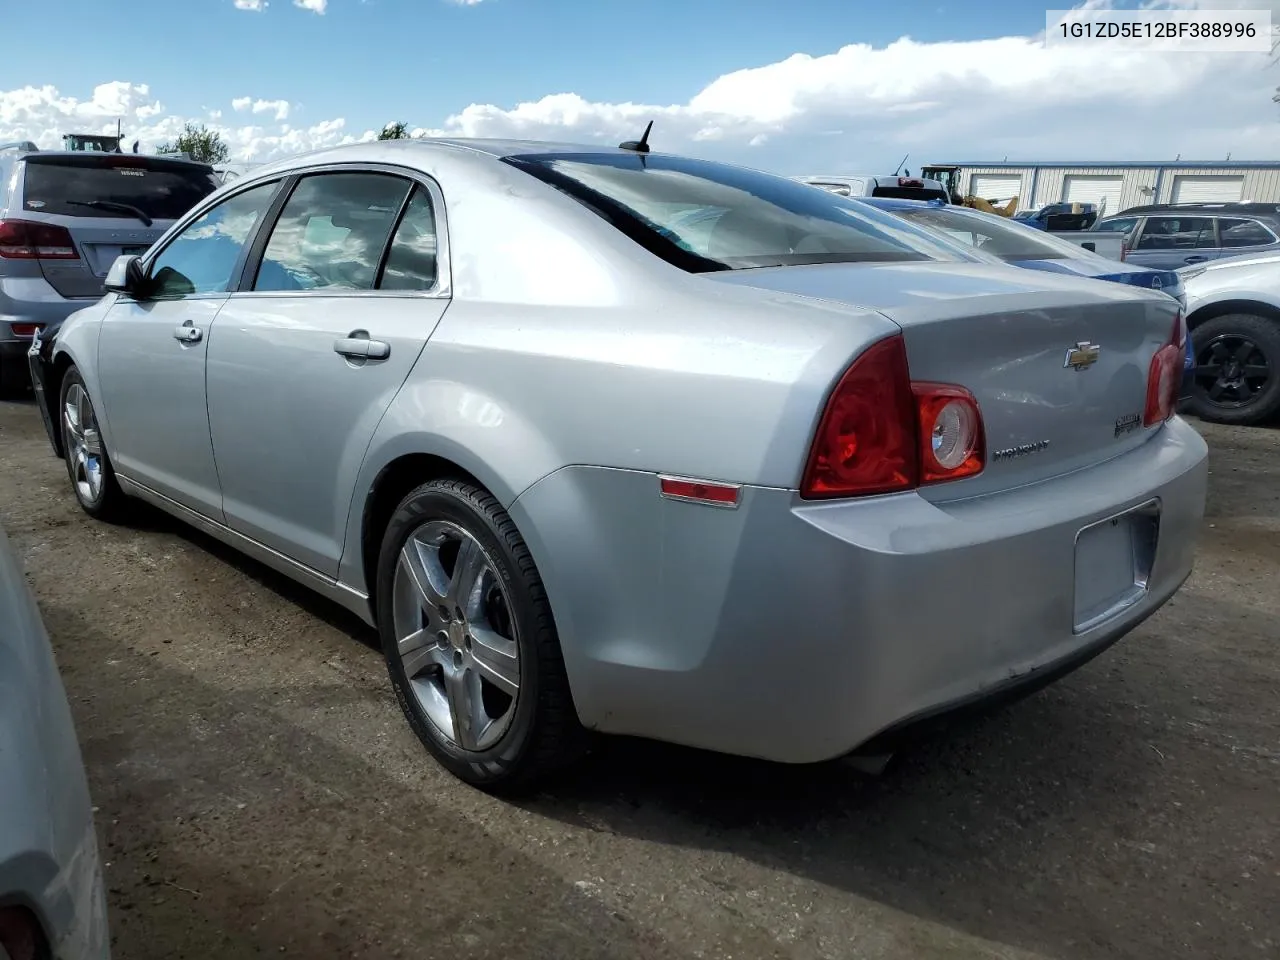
(259, 793)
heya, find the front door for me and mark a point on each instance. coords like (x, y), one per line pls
(311, 351)
(151, 357)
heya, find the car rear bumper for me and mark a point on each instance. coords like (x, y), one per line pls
(798, 631)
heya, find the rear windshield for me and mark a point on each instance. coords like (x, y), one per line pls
(992, 234)
(703, 216)
(162, 191)
(909, 193)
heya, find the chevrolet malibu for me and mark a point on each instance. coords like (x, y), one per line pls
(609, 440)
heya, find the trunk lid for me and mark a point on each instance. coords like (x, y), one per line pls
(1010, 336)
(70, 190)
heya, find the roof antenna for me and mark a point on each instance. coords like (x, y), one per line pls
(900, 163)
(641, 145)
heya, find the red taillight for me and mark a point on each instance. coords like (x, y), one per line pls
(1164, 376)
(700, 491)
(24, 329)
(20, 935)
(951, 441)
(27, 240)
(1124, 250)
(880, 433)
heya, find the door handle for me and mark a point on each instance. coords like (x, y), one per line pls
(187, 333)
(1196, 259)
(358, 346)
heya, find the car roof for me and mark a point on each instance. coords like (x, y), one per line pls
(899, 203)
(162, 157)
(1205, 209)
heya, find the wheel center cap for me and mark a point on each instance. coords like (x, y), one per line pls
(457, 635)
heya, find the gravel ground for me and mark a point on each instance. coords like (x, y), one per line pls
(259, 793)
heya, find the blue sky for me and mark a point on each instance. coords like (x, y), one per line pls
(957, 89)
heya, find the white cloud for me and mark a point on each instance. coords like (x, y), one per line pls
(278, 107)
(855, 109)
(257, 6)
(315, 6)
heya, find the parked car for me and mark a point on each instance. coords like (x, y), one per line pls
(586, 468)
(1233, 305)
(64, 218)
(907, 187)
(1024, 246)
(1173, 236)
(52, 903)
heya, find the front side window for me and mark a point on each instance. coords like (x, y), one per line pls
(1176, 233)
(332, 232)
(703, 216)
(1244, 233)
(201, 258)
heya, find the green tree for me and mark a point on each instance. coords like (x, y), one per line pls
(399, 130)
(199, 143)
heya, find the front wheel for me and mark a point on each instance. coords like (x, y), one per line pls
(469, 639)
(1236, 378)
(92, 478)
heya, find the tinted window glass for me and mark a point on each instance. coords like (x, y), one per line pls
(1118, 224)
(332, 232)
(1176, 233)
(702, 216)
(161, 190)
(1243, 233)
(991, 234)
(202, 257)
(908, 193)
(411, 261)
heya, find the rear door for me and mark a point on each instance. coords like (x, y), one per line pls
(110, 204)
(334, 307)
(1170, 241)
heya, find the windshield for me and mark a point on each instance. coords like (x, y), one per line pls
(108, 185)
(703, 216)
(994, 235)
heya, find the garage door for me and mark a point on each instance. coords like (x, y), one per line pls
(1079, 189)
(1207, 189)
(999, 188)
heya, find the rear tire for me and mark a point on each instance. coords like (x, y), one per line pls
(1236, 378)
(93, 480)
(470, 642)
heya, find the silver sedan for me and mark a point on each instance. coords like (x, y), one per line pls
(608, 440)
(52, 901)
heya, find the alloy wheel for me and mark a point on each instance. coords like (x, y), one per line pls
(455, 635)
(1231, 370)
(84, 444)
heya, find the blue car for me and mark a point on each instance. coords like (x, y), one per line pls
(1023, 246)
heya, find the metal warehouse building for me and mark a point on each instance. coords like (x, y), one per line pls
(1122, 185)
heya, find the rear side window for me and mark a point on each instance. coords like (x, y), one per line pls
(1244, 233)
(702, 216)
(332, 233)
(105, 185)
(411, 260)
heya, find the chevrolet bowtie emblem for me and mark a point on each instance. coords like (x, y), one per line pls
(1082, 356)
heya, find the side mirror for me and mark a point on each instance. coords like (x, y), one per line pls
(126, 276)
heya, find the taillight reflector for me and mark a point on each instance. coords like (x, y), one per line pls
(1164, 376)
(24, 329)
(700, 491)
(880, 433)
(951, 440)
(27, 240)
